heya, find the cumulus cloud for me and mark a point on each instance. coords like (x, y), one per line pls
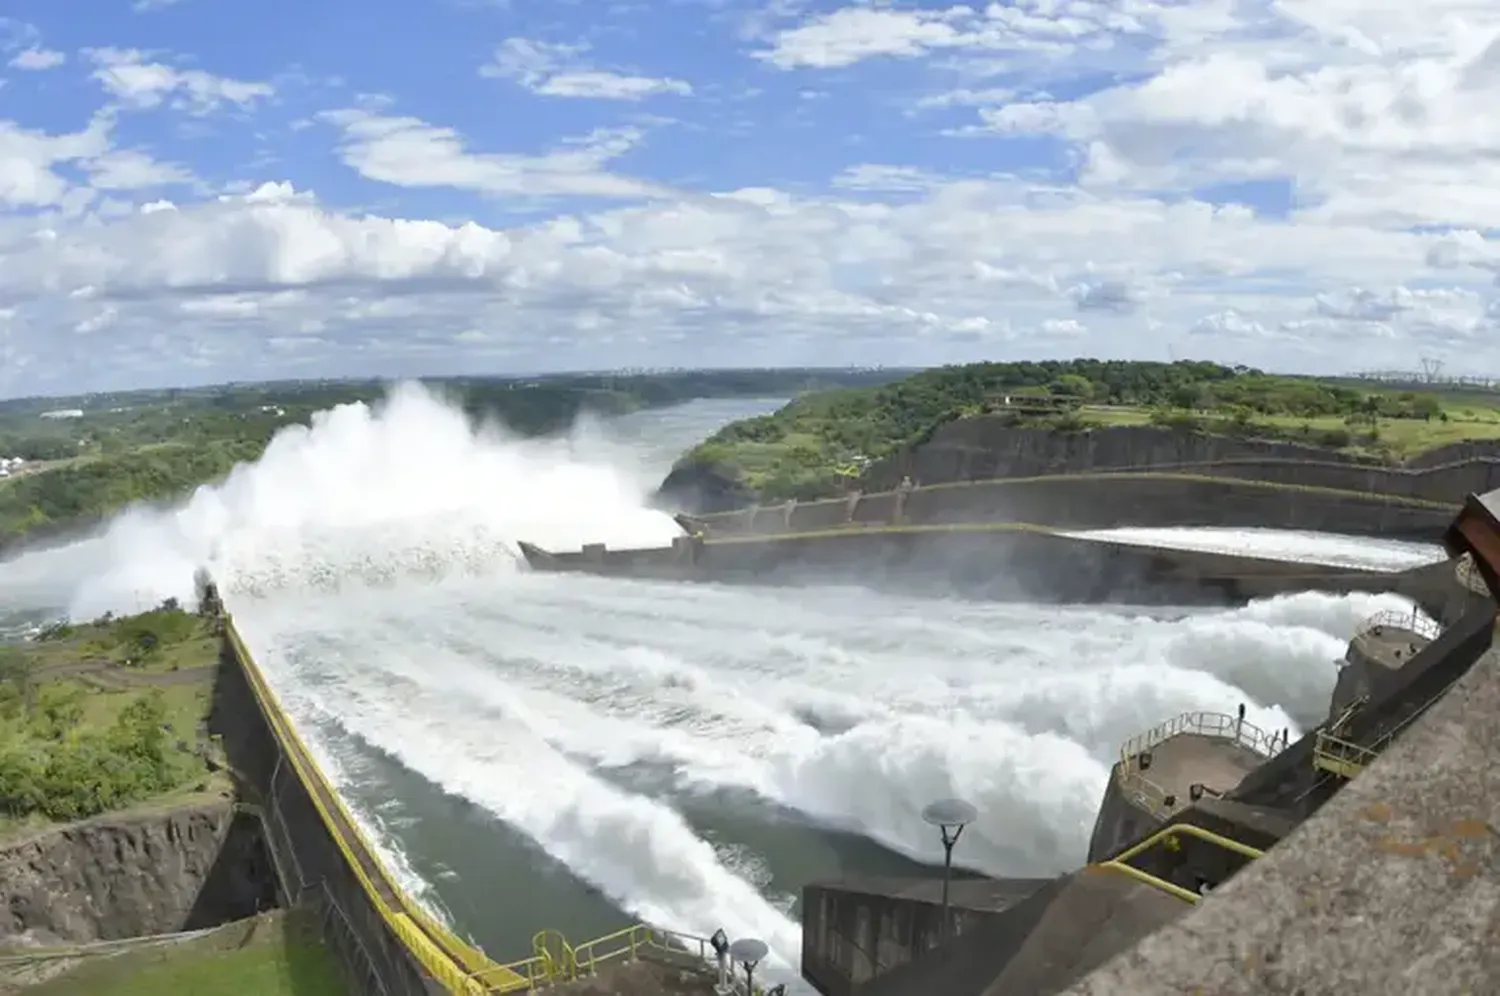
(38, 59)
(137, 83)
(427, 234)
(554, 70)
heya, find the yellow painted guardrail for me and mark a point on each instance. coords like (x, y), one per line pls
(460, 968)
(555, 960)
(1340, 757)
(457, 966)
(1168, 836)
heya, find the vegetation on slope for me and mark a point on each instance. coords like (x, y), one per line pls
(274, 954)
(815, 446)
(153, 445)
(104, 715)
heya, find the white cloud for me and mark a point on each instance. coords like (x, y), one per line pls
(141, 85)
(429, 248)
(408, 152)
(37, 59)
(554, 70)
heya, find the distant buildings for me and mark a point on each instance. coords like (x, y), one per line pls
(11, 465)
(63, 413)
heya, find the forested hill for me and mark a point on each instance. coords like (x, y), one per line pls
(89, 456)
(818, 445)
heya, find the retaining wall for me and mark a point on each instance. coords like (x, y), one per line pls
(390, 945)
(979, 448)
(1108, 500)
(993, 560)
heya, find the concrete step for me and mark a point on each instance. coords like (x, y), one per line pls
(1098, 914)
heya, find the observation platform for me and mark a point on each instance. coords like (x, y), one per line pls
(1390, 639)
(1167, 768)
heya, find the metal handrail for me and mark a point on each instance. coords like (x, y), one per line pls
(555, 960)
(1469, 576)
(1120, 862)
(1339, 756)
(1413, 622)
(1217, 725)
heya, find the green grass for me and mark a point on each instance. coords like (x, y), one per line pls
(281, 956)
(1396, 438)
(59, 726)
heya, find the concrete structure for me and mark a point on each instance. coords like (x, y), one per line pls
(386, 942)
(1361, 858)
(1187, 497)
(1003, 560)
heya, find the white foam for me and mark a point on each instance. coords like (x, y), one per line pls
(405, 488)
(1366, 553)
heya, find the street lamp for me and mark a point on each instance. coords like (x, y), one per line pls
(950, 816)
(720, 943)
(748, 951)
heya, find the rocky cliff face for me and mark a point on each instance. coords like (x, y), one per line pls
(698, 488)
(125, 876)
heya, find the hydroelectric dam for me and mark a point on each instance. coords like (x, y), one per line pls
(525, 751)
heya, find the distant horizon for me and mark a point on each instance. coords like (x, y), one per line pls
(1389, 379)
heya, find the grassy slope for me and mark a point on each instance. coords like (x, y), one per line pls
(276, 954)
(815, 445)
(90, 674)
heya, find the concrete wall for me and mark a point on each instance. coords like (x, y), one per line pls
(1119, 822)
(979, 448)
(320, 858)
(1390, 888)
(1099, 501)
(997, 561)
(854, 933)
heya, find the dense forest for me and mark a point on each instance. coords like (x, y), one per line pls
(153, 445)
(817, 445)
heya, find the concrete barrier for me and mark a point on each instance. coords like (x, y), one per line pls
(1002, 560)
(1111, 499)
(393, 946)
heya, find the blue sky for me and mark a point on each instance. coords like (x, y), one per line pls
(196, 191)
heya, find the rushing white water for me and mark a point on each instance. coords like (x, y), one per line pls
(1283, 544)
(370, 564)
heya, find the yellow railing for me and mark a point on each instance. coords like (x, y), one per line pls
(1412, 622)
(460, 968)
(1168, 836)
(1340, 757)
(457, 967)
(554, 960)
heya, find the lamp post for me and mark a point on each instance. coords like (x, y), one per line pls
(748, 951)
(720, 944)
(950, 816)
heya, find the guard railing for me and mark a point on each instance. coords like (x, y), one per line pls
(1169, 837)
(1219, 726)
(1412, 622)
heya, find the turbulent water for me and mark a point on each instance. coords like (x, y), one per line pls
(546, 751)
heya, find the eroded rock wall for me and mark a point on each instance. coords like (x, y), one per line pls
(127, 875)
